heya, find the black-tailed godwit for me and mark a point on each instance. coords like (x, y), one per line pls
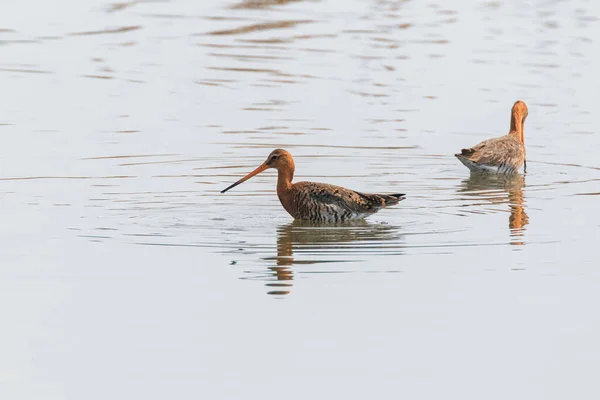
(318, 202)
(502, 155)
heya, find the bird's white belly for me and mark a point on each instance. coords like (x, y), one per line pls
(492, 169)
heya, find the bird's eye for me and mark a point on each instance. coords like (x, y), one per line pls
(273, 158)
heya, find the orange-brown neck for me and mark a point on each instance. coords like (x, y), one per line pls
(284, 180)
(284, 189)
(517, 126)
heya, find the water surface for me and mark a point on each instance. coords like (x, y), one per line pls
(126, 274)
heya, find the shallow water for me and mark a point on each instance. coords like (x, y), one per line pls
(126, 274)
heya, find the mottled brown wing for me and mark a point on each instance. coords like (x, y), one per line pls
(346, 199)
(500, 151)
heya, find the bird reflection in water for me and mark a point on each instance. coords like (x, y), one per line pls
(325, 243)
(502, 189)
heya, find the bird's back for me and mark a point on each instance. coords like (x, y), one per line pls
(504, 154)
(329, 203)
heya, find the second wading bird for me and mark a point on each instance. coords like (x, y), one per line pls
(502, 155)
(318, 202)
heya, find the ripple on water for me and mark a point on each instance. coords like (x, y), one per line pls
(251, 229)
(495, 190)
(375, 111)
(302, 244)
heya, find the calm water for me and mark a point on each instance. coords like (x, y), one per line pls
(124, 273)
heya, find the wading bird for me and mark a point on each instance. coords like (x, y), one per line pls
(318, 202)
(502, 155)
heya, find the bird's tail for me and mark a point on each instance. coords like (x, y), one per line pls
(465, 153)
(391, 199)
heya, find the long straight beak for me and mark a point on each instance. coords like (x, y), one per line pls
(250, 175)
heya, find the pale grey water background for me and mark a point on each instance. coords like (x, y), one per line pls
(124, 273)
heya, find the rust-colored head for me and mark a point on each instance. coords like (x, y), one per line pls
(520, 110)
(279, 159)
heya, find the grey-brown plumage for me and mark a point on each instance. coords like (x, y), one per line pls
(318, 202)
(503, 155)
(329, 203)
